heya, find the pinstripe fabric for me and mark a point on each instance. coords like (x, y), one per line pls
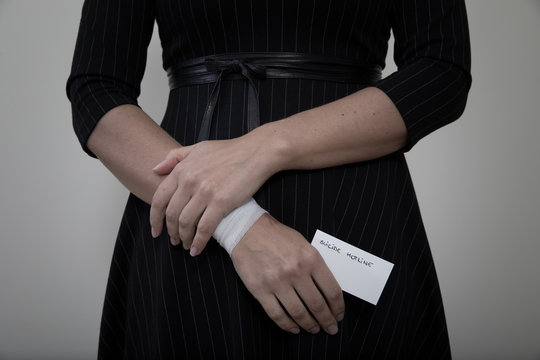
(160, 302)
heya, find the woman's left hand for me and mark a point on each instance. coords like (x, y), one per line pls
(206, 182)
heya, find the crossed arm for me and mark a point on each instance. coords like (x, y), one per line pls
(212, 178)
(361, 126)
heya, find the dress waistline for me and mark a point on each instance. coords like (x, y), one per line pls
(252, 66)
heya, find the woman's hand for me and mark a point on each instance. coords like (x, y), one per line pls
(206, 181)
(283, 271)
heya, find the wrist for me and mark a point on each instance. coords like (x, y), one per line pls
(259, 228)
(275, 148)
(234, 226)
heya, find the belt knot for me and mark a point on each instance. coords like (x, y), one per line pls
(239, 66)
(224, 67)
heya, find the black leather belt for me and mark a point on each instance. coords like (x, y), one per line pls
(252, 66)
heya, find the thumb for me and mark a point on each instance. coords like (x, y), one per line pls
(173, 158)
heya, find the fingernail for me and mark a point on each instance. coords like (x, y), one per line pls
(340, 317)
(295, 330)
(315, 329)
(332, 330)
(186, 247)
(174, 241)
(193, 251)
(154, 233)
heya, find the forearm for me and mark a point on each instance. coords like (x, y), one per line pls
(130, 144)
(359, 127)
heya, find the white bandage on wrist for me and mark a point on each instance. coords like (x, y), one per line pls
(235, 225)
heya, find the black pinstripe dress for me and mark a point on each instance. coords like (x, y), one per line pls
(162, 303)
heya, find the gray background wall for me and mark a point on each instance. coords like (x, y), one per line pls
(477, 182)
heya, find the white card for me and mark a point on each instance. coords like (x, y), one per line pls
(358, 272)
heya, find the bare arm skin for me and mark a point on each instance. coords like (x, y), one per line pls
(129, 143)
(359, 127)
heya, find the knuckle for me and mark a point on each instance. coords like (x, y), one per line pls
(204, 230)
(335, 296)
(255, 288)
(220, 199)
(275, 314)
(292, 269)
(272, 278)
(317, 306)
(184, 223)
(340, 307)
(170, 216)
(310, 255)
(211, 191)
(188, 180)
(296, 311)
(179, 173)
(157, 200)
(206, 188)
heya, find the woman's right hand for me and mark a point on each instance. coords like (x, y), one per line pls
(205, 182)
(280, 268)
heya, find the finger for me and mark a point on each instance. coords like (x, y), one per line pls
(165, 167)
(275, 312)
(188, 219)
(171, 160)
(205, 229)
(330, 289)
(315, 302)
(160, 201)
(176, 204)
(297, 310)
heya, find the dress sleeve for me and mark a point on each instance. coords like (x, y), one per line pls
(432, 52)
(109, 60)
